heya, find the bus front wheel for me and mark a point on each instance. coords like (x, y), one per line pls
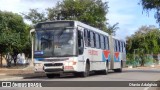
(85, 73)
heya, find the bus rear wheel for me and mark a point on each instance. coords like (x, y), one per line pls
(103, 72)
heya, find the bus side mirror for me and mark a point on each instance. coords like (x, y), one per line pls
(32, 31)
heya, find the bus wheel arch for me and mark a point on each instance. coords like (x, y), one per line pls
(104, 71)
(107, 63)
(87, 62)
(86, 71)
(87, 66)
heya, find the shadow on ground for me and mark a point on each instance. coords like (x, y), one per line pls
(92, 74)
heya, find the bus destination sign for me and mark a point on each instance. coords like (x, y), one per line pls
(51, 25)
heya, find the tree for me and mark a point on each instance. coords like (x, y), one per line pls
(34, 16)
(146, 40)
(91, 12)
(146, 37)
(152, 5)
(111, 30)
(13, 35)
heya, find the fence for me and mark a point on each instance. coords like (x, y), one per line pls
(147, 59)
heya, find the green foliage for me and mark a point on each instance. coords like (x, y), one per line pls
(152, 4)
(91, 12)
(111, 30)
(34, 16)
(149, 60)
(130, 59)
(139, 60)
(146, 38)
(145, 41)
(141, 55)
(14, 33)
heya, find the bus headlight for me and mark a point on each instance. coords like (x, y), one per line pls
(70, 63)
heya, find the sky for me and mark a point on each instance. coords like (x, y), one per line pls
(130, 16)
(128, 13)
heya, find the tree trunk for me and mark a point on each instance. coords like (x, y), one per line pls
(1, 60)
(142, 61)
(8, 59)
(15, 60)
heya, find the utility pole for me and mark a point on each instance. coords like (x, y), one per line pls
(1, 59)
(32, 52)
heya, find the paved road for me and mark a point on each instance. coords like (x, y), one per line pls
(126, 75)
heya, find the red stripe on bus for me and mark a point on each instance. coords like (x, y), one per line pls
(106, 53)
(117, 55)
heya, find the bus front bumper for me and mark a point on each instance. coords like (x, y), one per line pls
(59, 69)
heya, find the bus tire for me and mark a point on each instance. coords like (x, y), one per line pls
(119, 69)
(52, 75)
(86, 72)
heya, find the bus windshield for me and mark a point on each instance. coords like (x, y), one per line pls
(54, 43)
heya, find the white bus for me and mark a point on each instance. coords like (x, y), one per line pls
(74, 47)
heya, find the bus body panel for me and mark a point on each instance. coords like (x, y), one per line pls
(119, 56)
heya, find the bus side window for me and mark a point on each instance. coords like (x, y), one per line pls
(97, 40)
(115, 45)
(108, 43)
(80, 42)
(119, 46)
(124, 47)
(92, 39)
(102, 42)
(86, 37)
(89, 38)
